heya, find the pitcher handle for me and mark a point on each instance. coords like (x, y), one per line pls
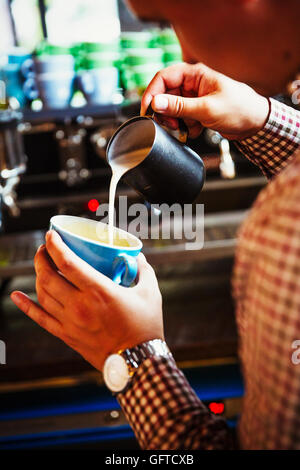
(183, 130)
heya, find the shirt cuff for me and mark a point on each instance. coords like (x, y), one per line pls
(274, 146)
(165, 413)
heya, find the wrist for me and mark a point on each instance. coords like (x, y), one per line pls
(261, 113)
(264, 109)
(119, 369)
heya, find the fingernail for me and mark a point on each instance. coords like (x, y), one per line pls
(160, 103)
(16, 298)
(48, 234)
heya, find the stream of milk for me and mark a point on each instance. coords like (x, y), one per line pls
(119, 166)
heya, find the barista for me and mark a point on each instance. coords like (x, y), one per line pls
(250, 41)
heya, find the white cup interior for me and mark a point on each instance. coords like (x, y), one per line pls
(93, 231)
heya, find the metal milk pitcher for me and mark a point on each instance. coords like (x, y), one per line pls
(170, 172)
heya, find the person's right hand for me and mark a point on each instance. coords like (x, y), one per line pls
(205, 98)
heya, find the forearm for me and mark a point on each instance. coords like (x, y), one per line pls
(165, 413)
(273, 147)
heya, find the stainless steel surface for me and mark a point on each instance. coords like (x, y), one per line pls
(241, 184)
(17, 253)
(220, 233)
(248, 182)
(9, 196)
(12, 160)
(12, 156)
(102, 136)
(227, 166)
(17, 250)
(72, 155)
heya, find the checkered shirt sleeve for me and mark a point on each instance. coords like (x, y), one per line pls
(273, 147)
(267, 298)
(163, 410)
(166, 414)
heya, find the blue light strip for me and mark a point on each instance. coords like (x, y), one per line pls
(64, 409)
(210, 384)
(60, 438)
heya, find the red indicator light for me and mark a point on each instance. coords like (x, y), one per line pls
(93, 205)
(216, 408)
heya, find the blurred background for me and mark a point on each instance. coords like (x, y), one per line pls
(71, 72)
(94, 51)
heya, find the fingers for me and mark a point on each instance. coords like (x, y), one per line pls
(49, 279)
(182, 91)
(180, 107)
(195, 129)
(185, 78)
(77, 271)
(37, 314)
(166, 79)
(48, 303)
(171, 123)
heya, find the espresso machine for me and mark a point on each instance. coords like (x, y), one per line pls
(65, 172)
(12, 160)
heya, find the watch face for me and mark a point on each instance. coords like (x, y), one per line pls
(115, 373)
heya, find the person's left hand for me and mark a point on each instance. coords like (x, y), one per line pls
(86, 309)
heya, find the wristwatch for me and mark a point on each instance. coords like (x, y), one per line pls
(120, 368)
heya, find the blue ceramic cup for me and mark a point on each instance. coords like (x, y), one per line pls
(88, 239)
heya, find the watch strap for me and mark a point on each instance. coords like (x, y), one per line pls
(135, 356)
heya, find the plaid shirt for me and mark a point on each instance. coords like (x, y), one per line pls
(163, 410)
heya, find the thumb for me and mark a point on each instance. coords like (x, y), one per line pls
(179, 106)
(146, 274)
